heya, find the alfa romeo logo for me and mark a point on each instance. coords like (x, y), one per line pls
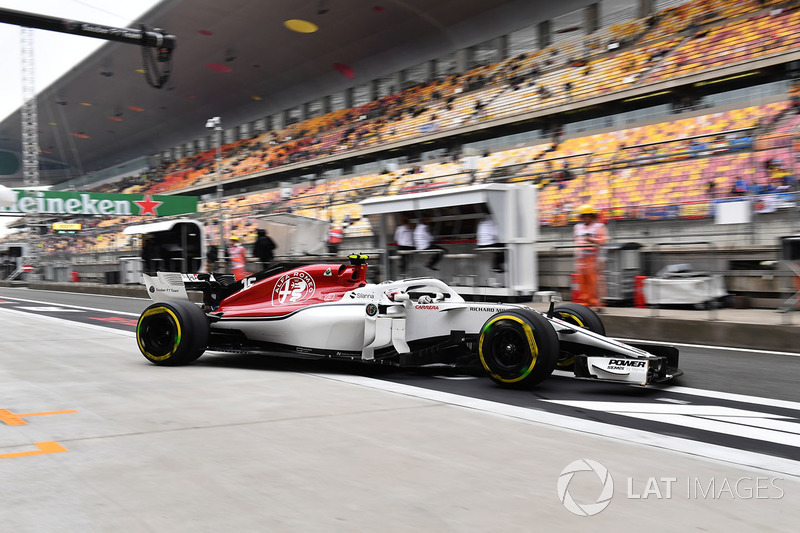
(587, 509)
(292, 288)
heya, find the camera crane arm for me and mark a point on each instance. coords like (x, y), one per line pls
(155, 39)
(151, 39)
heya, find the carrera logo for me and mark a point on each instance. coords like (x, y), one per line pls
(627, 362)
(292, 288)
(433, 307)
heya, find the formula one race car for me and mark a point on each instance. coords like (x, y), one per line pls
(329, 311)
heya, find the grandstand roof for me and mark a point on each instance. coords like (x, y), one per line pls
(236, 59)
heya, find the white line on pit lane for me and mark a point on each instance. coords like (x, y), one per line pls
(717, 395)
(110, 311)
(709, 347)
(49, 309)
(77, 293)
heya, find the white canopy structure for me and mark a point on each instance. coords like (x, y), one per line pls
(513, 208)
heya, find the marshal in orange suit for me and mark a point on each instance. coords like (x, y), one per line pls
(590, 236)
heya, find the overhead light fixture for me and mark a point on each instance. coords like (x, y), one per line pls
(729, 78)
(300, 26)
(651, 95)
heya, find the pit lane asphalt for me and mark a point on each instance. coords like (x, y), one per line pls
(749, 398)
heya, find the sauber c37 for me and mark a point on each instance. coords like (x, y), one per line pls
(329, 311)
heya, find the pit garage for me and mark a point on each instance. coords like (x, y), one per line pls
(454, 215)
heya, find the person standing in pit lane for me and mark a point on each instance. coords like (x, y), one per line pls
(423, 240)
(264, 248)
(238, 256)
(404, 237)
(590, 235)
(486, 237)
(335, 238)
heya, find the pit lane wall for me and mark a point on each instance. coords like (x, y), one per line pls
(746, 329)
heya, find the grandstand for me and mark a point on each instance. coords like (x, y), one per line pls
(676, 105)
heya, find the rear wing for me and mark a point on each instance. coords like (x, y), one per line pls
(173, 286)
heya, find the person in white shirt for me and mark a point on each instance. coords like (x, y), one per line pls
(423, 240)
(404, 238)
(486, 237)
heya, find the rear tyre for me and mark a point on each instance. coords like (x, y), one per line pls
(581, 316)
(172, 333)
(518, 348)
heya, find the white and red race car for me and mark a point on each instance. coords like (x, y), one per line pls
(329, 311)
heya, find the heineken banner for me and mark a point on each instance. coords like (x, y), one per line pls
(89, 203)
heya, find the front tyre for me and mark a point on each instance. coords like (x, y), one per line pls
(172, 333)
(518, 348)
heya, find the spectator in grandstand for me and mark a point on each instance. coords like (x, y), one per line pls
(424, 241)
(712, 189)
(238, 258)
(740, 187)
(565, 174)
(544, 93)
(404, 238)
(486, 237)
(590, 235)
(479, 106)
(264, 248)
